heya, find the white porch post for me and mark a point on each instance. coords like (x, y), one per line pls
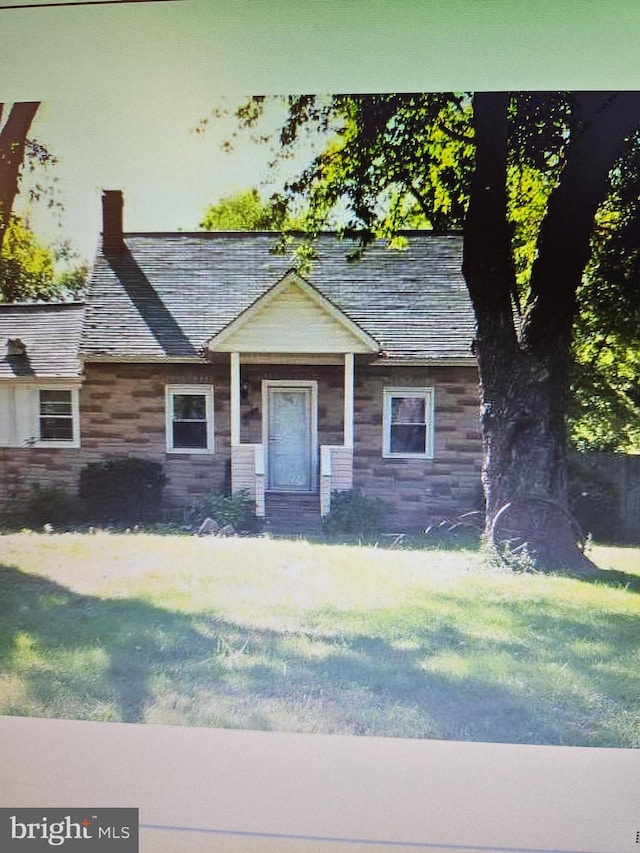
(235, 399)
(348, 399)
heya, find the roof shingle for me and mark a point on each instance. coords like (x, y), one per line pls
(51, 334)
(168, 294)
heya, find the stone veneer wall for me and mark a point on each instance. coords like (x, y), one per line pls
(417, 492)
(122, 411)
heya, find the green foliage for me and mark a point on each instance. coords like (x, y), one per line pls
(121, 489)
(605, 410)
(44, 505)
(394, 161)
(353, 514)
(245, 211)
(237, 509)
(28, 269)
(594, 498)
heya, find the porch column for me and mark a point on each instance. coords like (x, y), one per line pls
(235, 399)
(348, 399)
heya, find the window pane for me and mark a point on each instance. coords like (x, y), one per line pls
(190, 434)
(56, 429)
(408, 438)
(407, 410)
(189, 407)
(55, 403)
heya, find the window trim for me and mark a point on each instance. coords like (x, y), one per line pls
(206, 391)
(53, 443)
(427, 393)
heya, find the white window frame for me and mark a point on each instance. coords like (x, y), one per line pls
(20, 422)
(74, 441)
(206, 391)
(428, 396)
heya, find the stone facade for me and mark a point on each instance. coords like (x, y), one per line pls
(122, 411)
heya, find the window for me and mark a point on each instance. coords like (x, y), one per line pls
(56, 415)
(36, 416)
(408, 422)
(190, 418)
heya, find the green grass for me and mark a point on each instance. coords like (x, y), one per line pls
(293, 636)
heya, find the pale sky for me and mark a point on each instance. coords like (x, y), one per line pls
(125, 85)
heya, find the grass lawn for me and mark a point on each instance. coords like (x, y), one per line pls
(293, 636)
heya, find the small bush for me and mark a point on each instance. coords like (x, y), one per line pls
(594, 499)
(237, 509)
(353, 514)
(44, 505)
(122, 489)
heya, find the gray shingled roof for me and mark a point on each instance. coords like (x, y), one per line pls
(51, 334)
(168, 294)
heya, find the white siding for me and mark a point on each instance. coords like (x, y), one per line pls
(293, 322)
(7, 417)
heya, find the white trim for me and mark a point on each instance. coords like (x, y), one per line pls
(75, 419)
(427, 361)
(203, 390)
(23, 415)
(405, 391)
(348, 399)
(234, 402)
(291, 278)
(295, 384)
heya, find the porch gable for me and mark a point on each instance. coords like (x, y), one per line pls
(292, 317)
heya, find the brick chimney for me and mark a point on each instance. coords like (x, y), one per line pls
(112, 204)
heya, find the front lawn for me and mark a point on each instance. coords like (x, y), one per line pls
(292, 636)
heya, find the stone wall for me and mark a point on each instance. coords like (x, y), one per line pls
(122, 411)
(418, 492)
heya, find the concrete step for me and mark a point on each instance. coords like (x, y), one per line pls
(293, 514)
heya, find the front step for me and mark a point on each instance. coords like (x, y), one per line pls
(292, 514)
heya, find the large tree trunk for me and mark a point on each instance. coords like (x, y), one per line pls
(523, 368)
(13, 138)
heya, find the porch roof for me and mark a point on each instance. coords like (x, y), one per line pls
(168, 295)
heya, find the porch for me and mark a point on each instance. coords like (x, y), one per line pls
(291, 434)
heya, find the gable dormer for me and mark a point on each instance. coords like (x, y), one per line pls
(293, 317)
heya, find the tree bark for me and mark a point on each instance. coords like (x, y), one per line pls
(13, 138)
(524, 369)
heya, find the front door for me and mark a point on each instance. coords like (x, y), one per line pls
(290, 438)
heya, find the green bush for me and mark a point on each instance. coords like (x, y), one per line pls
(237, 509)
(122, 489)
(594, 499)
(44, 505)
(353, 514)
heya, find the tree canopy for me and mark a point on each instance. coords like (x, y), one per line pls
(245, 210)
(28, 266)
(542, 186)
(394, 162)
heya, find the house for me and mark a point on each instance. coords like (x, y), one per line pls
(213, 354)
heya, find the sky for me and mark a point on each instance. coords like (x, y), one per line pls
(125, 85)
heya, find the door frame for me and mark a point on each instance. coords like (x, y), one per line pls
(294, 385)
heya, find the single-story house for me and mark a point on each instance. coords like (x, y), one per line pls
(216, 355)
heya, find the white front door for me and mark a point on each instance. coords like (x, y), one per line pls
(290, 434)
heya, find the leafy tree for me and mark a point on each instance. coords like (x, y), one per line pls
(14, 145)
(247, 211)
(28, 269)
(524, 175)
(28, 266)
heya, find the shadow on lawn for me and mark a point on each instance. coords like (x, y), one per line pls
(77, 654)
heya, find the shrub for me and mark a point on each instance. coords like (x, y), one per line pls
(594, 498)
(122, 489)
(237, 509)
(353, 514)
(44, 505)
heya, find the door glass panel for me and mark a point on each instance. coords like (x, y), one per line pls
(290, 439)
